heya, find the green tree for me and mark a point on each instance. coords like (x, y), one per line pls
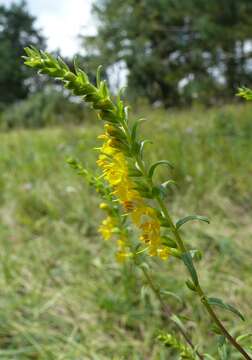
(17, 30)
(176, 51)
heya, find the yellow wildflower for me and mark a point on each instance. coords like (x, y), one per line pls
(164, 253)
(141, 213)
(121, 242)
(122, 253)
(115, 170)
(125, 191)
(108, 149)
(103, 206)
(102, 161)
(107, 227)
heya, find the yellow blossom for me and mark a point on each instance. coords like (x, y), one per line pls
(107, 227)
(103, 206)
(115, 170)
(107, 149)
(122, 254)
(164, 253)
(126, 193)
(142, 212)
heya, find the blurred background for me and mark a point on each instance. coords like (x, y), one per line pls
(182, 62)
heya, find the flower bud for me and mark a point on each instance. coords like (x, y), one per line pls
(104, 206)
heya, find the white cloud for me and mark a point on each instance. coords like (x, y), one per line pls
(61, 21)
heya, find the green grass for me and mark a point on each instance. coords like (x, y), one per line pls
(62, 294)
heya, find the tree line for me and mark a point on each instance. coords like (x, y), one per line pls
(17, 29)
(174, 52)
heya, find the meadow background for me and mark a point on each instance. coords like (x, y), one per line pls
(62, 295)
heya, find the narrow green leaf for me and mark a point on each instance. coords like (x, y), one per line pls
(218, 302)
(126, 112)
(190, 285)
(159, 191)
(137, 167)
(144, 292)
(63, 64)
(28, 51)
(244, 337)
(164, 223)
(223, 351)
(122, 91)
(221, 340)
(83, 76)
(142, 145)
(209, 357)
(135, 173)
(168, 183)
(135, 127)
(156, 164)
(216, 329)
(36, 51)
(103, 88)
(141, 186)
(184, 220)
(168, 241)
(170, 293)
(178, 321)
(145, 266)
(75, 63)
(175, 252)
(98, 76)
(187, 259)
(196, 254)
(141, 251)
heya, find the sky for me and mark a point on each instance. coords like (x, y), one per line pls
(61, 21)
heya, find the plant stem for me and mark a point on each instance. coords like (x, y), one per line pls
(168, 313)
(199, 290)
(224, 331)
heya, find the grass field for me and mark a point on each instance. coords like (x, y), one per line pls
(62, 294)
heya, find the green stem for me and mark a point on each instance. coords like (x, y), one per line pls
(222, 328)
(168, 313)
(199, 290)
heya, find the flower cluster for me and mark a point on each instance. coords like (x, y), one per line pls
(113, 224)
(114, 165)
(109, 227)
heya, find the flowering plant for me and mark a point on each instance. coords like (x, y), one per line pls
(134, 203)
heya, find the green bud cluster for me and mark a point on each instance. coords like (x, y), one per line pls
(171, 341)
(99, 185)
(245, 93)
(77, 82)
